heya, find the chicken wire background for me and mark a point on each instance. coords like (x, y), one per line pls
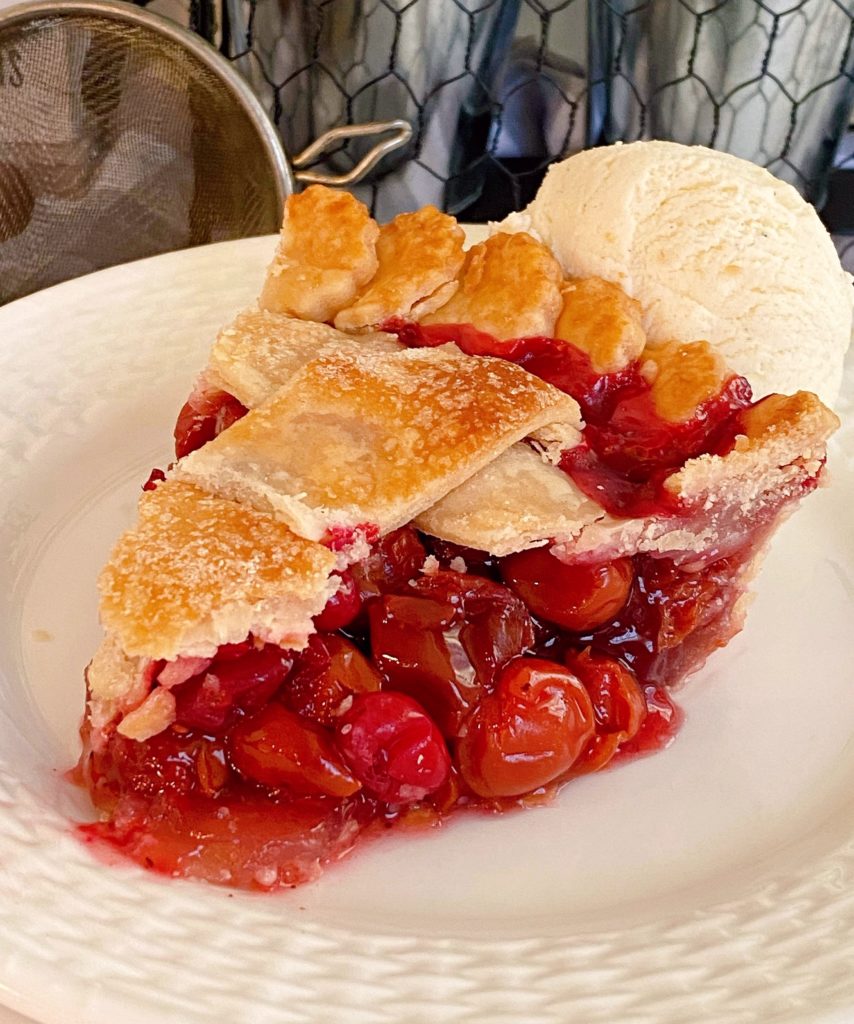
(498, 89)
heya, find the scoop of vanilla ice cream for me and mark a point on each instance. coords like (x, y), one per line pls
(713, 247)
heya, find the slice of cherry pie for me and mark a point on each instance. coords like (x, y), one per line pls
(444, 531)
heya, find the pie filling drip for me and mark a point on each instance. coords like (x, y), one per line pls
(440, 677)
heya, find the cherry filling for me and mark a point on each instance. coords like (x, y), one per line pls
(205, 414)
(485, 688)
(628, 449)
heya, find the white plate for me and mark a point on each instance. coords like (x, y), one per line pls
(713, 882)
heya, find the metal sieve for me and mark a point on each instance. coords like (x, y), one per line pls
(123, 135)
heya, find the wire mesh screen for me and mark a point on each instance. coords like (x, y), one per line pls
(116, 144)
(497, 89)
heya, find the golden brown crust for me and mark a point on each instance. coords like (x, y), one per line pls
(197, 572)
(419, 253)
(374, 438)
(684, 374)
(802, 416)
(516, 502)
(519, 501)
(260, 351)
(599, 318)
(785, 438)
(509, 287)
(326, 253)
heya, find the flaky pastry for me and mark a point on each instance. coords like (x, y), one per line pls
(370, 440)
(420, 255)
(326, 253)
(509, 287)
(197, 572)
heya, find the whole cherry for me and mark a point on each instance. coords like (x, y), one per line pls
(393, 747)
(578, 597)
(528, 732)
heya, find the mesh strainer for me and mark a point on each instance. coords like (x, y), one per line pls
(123, 135)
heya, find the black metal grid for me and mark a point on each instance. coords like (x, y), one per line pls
(524, 82)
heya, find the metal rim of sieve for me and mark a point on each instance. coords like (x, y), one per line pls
(282, 166)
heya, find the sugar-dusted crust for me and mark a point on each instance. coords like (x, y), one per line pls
(683, 375)
(116, 683)
(198, 571)
(509, 287)
(520, 501)
(372, 438)
(326, 253)
(599, 318)
(785, 437)
(260, 351)
(420, 255)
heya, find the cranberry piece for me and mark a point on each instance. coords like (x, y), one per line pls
(393, 747)
(577, 597)
(207, 702)
(324, 675)
(279, 748)
(343, 607)
(619, 705)
(443, 641)
(394, 560)
(528, 732)
(203, 417)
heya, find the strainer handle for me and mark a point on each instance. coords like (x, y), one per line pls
(402, 134)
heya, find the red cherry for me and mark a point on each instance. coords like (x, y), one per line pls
(343, 607)
(393, 747)
(416, 646)
(155, 477)
(394, 560)
(619, 705)
(207, 701)
(328, 671)
(203, 416)
(528, 732)
(443, 641)
(497, 624)
(278, 748)
(577, 597)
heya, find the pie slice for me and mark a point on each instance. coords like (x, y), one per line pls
(452, 552)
